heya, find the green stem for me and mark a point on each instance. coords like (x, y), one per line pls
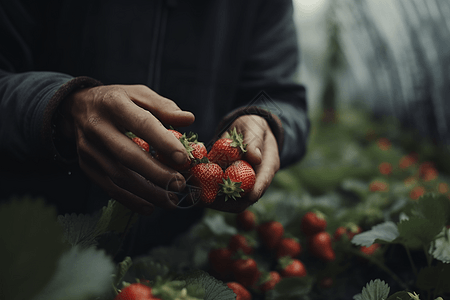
(381, 266)
(411, 262)
(428, 256)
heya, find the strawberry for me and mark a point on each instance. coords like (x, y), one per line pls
(417, 192)
(378, 186)
(136, 291)
(313, 222)
(349, 230)
(291, 267)
(370, 250)
(271, 233)
(245, 271)
(228, 149)
(239, 179)
(246, 220)
(241, 292)
(177, 134)
(385, 168)
(269, 281)
(427, 171)
(207, 176)
(220, 261)
(240, 242)
(320, 246)
(288, 247)
(407, 161)
(443, 188)
(383, 144)
(141, 143)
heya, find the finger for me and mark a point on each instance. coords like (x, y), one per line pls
(116, 179)
(254, 133)
(142, 123)
(267, 169)
(165, 110)
(130, 155)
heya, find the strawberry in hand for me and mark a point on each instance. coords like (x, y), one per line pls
(238, 179)
(207, 176)
(228, 149)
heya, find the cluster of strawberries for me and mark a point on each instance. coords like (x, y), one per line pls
(221, 171)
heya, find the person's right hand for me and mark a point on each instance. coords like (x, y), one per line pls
(97, 119)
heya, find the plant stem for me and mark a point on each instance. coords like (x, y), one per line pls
(413, 266)
(428, 256)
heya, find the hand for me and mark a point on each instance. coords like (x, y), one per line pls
(262, 154)
(97, 119)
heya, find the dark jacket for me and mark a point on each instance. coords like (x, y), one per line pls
(217, 59)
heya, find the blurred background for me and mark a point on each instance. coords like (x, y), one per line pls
(390, 57)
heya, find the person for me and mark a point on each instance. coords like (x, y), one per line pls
(76, 75)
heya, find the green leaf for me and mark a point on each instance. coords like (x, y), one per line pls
(434, 208)
(440, 248)
(121, 270)
(81, 274)
(31, 244)
(384, 232)
(374, 290)
(402, 295)
(213, 289)
(417, 232)
(291, 288)
(79, 229)
(116, 217)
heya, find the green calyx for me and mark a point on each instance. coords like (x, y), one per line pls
(237, 140)
(230, 189)
(186, 140)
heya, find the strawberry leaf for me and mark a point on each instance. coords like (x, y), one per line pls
(440, 248)
(417, 231)
(115, 217)
(402, 295)
(81, 274)
(31, 244)
(374, 290)
(213, 288)
(79, 229)
(382, 233)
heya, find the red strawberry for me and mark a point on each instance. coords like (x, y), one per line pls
(313, 222)
(246, 220)
(269, 281)
(136, 291)
(245, 271)
(417, 192)
(220, 261)
(370, 250)
(141, 143)
(228, 149)
(291, 267)
(378, 186)
(241, 292)
(427, 171)
(177, 134)
(240, 242)
(320, 246)
(207, 176)
(239, 179)
(288, 247)
(385, 168)
(349, 229)
(384, 144)
(271, 233)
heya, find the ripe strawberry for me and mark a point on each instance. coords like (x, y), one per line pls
(207, 176)
(427, 171)
(407, 161)
(136, 291)
(291, 267)
(320, 246)
(246, 220)
(141, 143)
(240, 242)
(238, 179)
(385, 168)
(245, 271)
(417, 192)
(271, 233)
(313, 222)
(288, 247)
(370, 250)
(384, 144)
(220, 261)
(228, 149)
(349, 230)
(177, 134)
(269, 281)
(378, 186)
(241, 292)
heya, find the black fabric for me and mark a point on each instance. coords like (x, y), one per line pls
(210, 57)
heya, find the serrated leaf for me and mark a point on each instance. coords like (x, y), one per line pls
(417, 232)
(217, 224)
(375, 290)
(116, 217)
(81, 274)
(79, 229)
(384, 232)
(440, 248)
(291, 288)
(434, 208)
(214, 289)
(31, 244)
(121, 270)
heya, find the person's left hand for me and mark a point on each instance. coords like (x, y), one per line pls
(262, 154)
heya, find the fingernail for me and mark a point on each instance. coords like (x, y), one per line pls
(179, 157)
(258, 152)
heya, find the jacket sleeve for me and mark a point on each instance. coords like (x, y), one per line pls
(269, 78)
(28, 98)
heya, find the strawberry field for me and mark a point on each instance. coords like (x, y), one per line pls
(365, 215)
